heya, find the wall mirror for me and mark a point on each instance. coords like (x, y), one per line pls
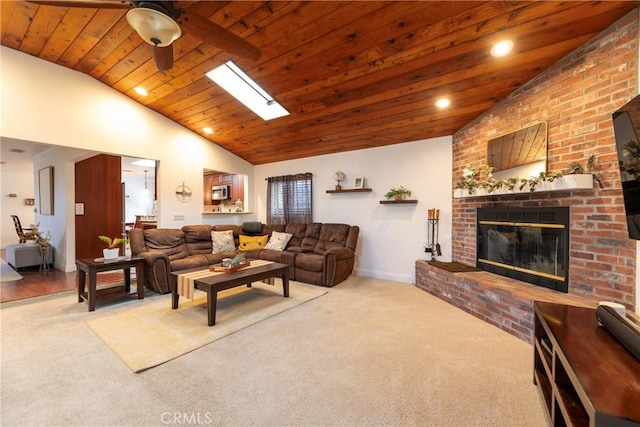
(522, 153)
(45, 190)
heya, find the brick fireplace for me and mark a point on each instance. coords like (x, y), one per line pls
(576, 97)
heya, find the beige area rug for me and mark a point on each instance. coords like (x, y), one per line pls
(151, 333)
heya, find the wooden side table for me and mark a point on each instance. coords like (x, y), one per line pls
(93, 266)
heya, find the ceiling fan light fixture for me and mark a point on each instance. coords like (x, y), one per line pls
(154, 27)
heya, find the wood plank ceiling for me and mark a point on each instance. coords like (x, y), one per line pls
(353, 75)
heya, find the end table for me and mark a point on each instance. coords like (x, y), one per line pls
(93, 266)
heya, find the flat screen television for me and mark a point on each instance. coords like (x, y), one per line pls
(626, 127)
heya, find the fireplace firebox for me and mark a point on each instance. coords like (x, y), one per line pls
(528, 244)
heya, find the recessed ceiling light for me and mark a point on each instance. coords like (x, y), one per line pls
(207, 130)
(141, 91)
(502, 48)
(443, 102)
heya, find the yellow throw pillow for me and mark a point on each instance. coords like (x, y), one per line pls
(251, 243)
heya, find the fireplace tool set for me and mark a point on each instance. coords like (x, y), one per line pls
(433, 247)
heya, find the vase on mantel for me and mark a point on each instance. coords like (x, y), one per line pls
(111, 253)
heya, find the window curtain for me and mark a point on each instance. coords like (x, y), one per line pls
(289, 199)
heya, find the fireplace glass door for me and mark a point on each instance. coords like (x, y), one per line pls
(537, 251)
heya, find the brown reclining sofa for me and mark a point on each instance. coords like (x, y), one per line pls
(320, 254)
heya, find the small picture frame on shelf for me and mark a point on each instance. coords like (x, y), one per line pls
(358, 182)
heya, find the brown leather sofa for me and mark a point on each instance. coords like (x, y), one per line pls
(320, 254)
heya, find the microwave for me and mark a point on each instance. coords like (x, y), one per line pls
(220, 192)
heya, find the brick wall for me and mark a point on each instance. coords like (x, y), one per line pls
(576, 97)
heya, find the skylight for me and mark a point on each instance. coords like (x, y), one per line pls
(232, 79)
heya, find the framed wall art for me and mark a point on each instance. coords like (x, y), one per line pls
(358, 182)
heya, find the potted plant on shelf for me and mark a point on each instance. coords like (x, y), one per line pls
(398, 193)
(112, 250)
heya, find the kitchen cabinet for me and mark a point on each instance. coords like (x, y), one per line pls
(224, 178)
(209, 179)
(237, 188)
(235, 183)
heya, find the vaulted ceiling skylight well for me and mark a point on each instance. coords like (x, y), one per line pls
(244, 89)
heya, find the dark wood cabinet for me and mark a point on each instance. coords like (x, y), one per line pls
(584, 375)
(235, 183)
(208, 183)
(237, 188)
(224, 178)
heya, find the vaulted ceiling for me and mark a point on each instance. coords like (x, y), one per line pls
(353, 75)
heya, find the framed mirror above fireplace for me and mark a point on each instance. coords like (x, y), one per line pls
(522, 153)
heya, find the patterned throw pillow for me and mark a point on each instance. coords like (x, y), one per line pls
(278, 241)
(222, 242)
(250, 243)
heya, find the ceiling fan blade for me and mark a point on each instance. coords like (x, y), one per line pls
(97, 4)
(215, 35)
(163, 57)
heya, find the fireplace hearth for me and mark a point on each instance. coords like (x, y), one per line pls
(528, 244)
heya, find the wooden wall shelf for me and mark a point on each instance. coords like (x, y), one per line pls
(394, 202)
(351, 190)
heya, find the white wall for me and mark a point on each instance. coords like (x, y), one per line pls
(18, 180)
(60, 225)
(392, 237)
(54, 105)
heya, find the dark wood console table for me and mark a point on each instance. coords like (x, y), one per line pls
(584, 375)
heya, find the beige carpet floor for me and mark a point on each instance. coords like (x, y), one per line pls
(161, 334)
(368, 353)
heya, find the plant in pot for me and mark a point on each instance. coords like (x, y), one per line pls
(113, 246)
(43, 242)
(398, 193)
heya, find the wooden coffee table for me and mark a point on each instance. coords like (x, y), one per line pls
(220, 281)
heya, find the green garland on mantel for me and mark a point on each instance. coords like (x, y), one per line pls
(470, 178)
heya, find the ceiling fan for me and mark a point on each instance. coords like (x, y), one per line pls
(160, 23)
